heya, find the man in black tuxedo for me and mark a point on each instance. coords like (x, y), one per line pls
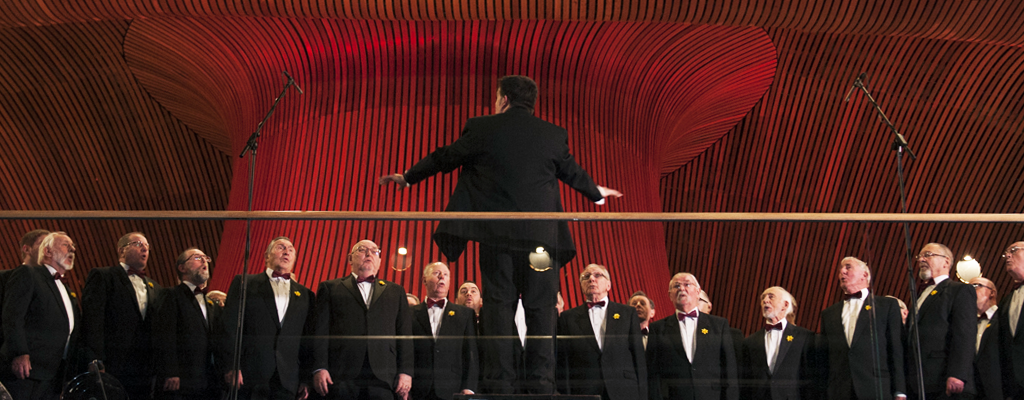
(116, 301)
(690, 354)
(511, 161)
(644, 311)
(29, 256)
(778, 362)
(183, 333)
(853, 372)
(278, 311)
(445, 345)
(469, 296)
(361, 322)
(987, 372)
(600, 349)
(947, 325)
(1011, 340)
(40, 321)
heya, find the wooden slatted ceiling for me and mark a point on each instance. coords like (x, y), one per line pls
(194, 78)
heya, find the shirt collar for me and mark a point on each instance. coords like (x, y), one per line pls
(939, 279)
(191, 287)
(991, 311)
(51, 269)
(125, 266)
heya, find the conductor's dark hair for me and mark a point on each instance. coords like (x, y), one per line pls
(520, 90)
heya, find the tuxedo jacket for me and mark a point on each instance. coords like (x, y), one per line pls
(183, 340)
(269, 343)
(114, 329)
(619, 367)
(852, 367)
(5, 275)
(1011, 350)
(510, 162)
(36, 322)
(947, 324)
(795, 371)
(987, 372)
(348, 332)
(712, 375)
(450, 363)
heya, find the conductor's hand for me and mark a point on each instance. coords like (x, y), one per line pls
(606, 192)
(396, 178)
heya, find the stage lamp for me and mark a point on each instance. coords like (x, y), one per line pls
(968, 269)
(540, 261)
(401, 260)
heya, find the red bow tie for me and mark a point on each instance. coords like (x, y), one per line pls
(137, 272)
(592, 304)
(922, 285)
(855, 295)
(438, 303)
(286, 275)
(58, 276)
(777, 326)
(367, 279)
(202, 291)
(644, 331)
(682, 316)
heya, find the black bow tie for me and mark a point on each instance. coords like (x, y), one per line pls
(778, 326)
(58, 276)
(644, 331)
(855, 295)
(367, 279)
(201, 291)
(438, 303)
(681, 316)
(137, 272)
(592, 304)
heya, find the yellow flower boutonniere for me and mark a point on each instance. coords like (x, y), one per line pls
(867, 307)
(988, 325)
(150, 284)
(616, 316)
(297, 294)
(210, 302)
(789, 338)
(73, 294)
(451, 313)
(380, 283)
(934, 292)
(704, 331)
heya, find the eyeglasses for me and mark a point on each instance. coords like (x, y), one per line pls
(1009, 252)
(929, 254)
(680, 286)
(596, 275)
(139, 244)
(367, 251)
(199, 257)
(70, 247)
(978, 285)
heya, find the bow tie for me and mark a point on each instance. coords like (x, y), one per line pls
(1017, 285)
(922, 285)
(201, 291)
(438, 303)
(58, 276)
(644, 331)
(682, 316)
(286, 275)
(592, 304)
(982, 317)
(368, 279)
(855, 295)
(778, 326)
(137, 272)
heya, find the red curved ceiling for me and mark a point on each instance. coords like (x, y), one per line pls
(699, 106)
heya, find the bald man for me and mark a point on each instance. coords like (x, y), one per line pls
(987, 372)
(690, 354)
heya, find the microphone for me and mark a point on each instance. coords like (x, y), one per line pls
(292, 82)
(856, 83)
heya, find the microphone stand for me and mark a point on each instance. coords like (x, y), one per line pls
(900, 145)
(250, 146)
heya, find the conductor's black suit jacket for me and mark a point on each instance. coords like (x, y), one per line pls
(347, 332)
(450, 363)
(795, 368)
(113, 328)
(851, 367)
(270, 344)
(948, 327)
(183, 340)
(36, 322)
(510, 162)
(619, 367)
(711, 376)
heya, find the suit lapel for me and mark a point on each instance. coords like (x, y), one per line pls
(376, 289)
(349, 282)
(784, 343)
(191, 296)
(122, 276)
(863, 320)
(927, 304)
(423, 317)
(758, 354)
(674, 335)
(700, 338)
(293, 300)
(584, 326)
(266, 292)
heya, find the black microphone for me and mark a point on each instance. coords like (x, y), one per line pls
(292, 82)
(856, 83)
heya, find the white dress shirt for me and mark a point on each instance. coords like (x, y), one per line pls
(520, 319)
(434, 315)
(851, 311)
(772, 338)
(282, 293)
(927, 291)
(597, 321)
(141, 294)
(687, 328)
(365, 289)
(982, 325)
(200, 298)
(68, 308)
